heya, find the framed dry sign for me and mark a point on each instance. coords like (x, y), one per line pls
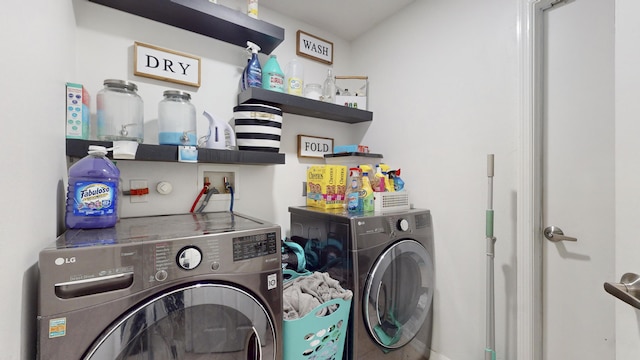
(314, 147)
(167, 65)
(314, 48)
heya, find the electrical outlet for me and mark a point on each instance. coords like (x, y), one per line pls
(304, 188)
(138, 184)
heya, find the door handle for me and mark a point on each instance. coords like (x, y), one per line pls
(627, 290)
(555, 234)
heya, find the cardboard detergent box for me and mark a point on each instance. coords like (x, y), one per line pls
(326, 186)
(77, 115)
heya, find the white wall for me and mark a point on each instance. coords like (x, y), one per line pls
(627, 57)
(38, 54)
(444, 98)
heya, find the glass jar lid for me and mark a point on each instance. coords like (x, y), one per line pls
(122, 84)
(177, 93)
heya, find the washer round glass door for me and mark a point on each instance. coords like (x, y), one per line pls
(201, 321)
(398, 294)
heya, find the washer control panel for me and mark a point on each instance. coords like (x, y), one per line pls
(251, 246)
(166, 261)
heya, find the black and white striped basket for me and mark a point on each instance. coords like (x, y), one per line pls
(258, 127)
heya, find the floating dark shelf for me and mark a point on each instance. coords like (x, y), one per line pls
(303, 106)
(347, 154)
(205, 18)
(78, 149)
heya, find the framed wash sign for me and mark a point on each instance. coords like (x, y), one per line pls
(314, 147)
(314, 48)
(168, 65)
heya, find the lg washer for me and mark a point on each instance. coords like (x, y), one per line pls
(391, 261)
(193, 286)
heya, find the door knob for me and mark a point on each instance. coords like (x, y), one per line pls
(555, 234)
(627, 290)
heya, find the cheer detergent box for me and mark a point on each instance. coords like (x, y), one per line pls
(326, 186)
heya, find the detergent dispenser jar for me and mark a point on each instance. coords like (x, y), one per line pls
(176, 119)
(120, 112)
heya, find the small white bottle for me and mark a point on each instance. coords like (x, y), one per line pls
(252, 8)
(294, 78)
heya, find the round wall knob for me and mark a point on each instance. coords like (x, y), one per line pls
(164, 187)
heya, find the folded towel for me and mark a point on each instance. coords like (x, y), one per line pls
(305, 293)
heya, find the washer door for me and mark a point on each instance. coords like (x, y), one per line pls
(398, 294)
(201, 321)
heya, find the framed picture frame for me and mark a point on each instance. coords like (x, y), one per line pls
(314, 147)
(314, 48)
(167, 65)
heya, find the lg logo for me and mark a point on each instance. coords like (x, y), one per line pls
(62, 261)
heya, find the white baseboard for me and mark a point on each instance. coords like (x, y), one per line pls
(436, 356)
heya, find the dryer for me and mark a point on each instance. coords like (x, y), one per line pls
(193, 286)
(389, 265)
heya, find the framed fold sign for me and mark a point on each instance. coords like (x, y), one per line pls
(167, 65)
(314, 48)
(314, 147)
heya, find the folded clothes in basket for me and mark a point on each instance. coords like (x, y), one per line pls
(305, 293)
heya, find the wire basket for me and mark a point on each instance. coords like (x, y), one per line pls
(315, 337)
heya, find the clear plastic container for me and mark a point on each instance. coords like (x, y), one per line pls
(92, 194)
(294, 80)
(120, 112)
(176, 119)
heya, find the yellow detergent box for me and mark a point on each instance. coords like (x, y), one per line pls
(326, 186)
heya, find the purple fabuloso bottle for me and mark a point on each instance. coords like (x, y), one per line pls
(92, 195)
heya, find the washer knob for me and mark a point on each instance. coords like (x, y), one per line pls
(162, 275)
(189, 257)
(403, 225)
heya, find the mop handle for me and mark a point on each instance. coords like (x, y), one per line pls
(489, 217)
(490, 353)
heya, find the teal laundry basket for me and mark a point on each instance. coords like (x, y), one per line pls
(315, 337)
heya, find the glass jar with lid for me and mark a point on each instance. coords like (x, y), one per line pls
(120, 112)
(176, 119)
(313, 91)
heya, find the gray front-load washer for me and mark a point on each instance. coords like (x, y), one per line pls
(387, 259)
(192, 286)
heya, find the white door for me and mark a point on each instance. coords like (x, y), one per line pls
(578, 180)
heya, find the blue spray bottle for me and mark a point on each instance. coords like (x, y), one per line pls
(398, 183)
(253, 71)
(242, 85)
